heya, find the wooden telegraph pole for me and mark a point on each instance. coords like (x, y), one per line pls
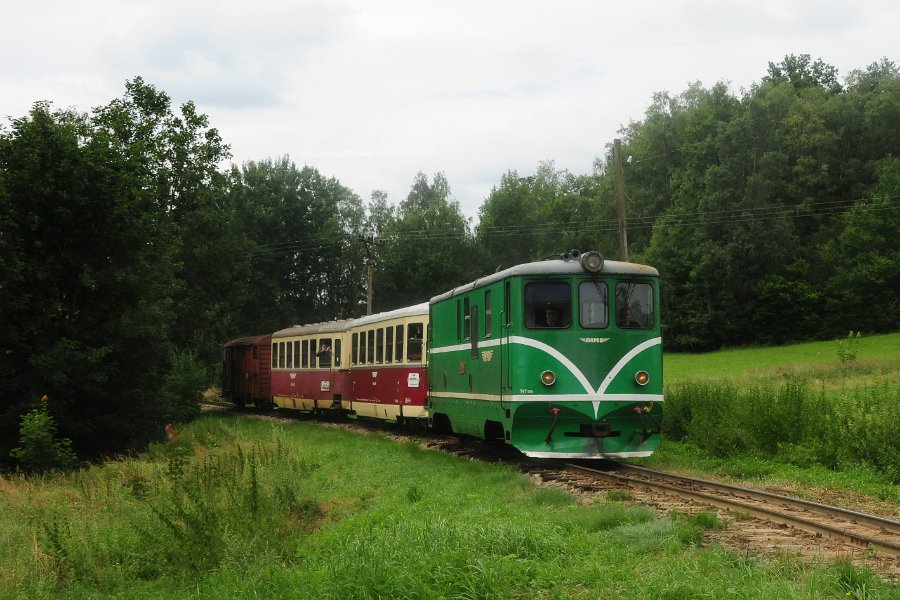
(370, 241)
(620, 197)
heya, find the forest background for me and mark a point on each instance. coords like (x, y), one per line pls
(128, 255)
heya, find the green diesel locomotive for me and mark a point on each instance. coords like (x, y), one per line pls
(559, 358)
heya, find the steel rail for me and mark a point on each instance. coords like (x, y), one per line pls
(888, 547)
(888, 525)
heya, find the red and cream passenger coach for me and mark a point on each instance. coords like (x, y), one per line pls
(309, 367)
(388, 378)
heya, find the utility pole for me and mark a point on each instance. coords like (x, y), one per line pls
(620, 197)
(370, 241)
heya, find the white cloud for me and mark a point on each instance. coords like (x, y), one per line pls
(373, 91)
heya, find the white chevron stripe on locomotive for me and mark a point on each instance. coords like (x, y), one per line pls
(596, 397)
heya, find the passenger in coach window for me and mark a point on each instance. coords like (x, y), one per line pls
(415, 342)
(324, 354)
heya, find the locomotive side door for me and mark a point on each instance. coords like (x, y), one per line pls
(505, 348)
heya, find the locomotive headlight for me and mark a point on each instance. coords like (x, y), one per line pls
(642, 377)
(548, 377)
(592, 261)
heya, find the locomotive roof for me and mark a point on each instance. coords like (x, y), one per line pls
(407, 311)
(551, 267)
(327, 327)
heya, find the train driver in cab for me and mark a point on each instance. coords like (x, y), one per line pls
(551, 317)
(625, 319)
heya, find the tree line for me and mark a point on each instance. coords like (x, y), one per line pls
(128, 256)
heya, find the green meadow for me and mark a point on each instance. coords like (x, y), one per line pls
(245, 508)
(806, 416)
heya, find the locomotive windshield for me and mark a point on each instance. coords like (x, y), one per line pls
(593, 301)
(634, 305)
(548, 305)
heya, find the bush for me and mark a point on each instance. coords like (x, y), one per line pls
(40, 448)
(183, 388)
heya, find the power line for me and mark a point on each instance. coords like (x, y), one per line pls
(636, 222)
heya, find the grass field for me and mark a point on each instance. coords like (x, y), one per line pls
(813, 417)
(241, 508)
(818, 363)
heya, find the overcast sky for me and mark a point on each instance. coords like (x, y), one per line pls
(372, 92)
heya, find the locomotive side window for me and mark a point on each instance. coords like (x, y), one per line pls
(487, 314)
(634, 305)
(548, 305)
(467, 320)
(593, 303)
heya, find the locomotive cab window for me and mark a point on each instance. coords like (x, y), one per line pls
(634, 305)
(593, 304)
(548, 305)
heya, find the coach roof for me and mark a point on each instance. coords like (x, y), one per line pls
(315, 328)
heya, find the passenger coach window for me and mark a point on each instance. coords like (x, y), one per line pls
(593, 303)
(389, 345)
(290, 355)
(379, 346)
(354, 348)
(297, 354)
(634, 305)
(362, 348)
(414, 347)
(280, 355)
(370, 353)
(548, 305)
(305, 356)
(337, 352)
(324, 353)
(274, 356)
(399, 338)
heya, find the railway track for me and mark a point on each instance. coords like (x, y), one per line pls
(870, 532)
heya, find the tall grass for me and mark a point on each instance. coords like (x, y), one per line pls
(243, 509)
(791, 421)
